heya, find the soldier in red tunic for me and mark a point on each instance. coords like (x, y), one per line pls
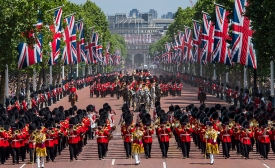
(73, 138)
(73, 91)
(102, 134)
(225, 136)
(164, 133)
(15, 144)
(148, 132)
(184, 132)
(264, 138)
(127, 129)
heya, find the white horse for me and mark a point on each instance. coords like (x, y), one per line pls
(147, 99)
(153, 96)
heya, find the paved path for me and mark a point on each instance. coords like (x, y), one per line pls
(116, 156)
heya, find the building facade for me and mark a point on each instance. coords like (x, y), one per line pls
(139, 34)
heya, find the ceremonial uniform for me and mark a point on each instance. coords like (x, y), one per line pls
(211, 136)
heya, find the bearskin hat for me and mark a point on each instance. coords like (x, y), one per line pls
(245, 124)
(215, 115)
(249, 116)
(184, 119)
(225, 120)
(72, 120)
(163, 119)
(231, 114)
(205, 121)
(171, 108)
(241, 120)
(218, 107)
(128, 119)
(157, 103)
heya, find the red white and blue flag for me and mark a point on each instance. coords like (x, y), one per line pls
(242, 47)
(207, 40)
(93, 47)
(180, 45)
(221, 51)
(30, 54)
(70, 51)
(99, 53)
(168, 54)
(196, 40)
(81, 56)
(107, 55)
(188, 44)
(56, 31)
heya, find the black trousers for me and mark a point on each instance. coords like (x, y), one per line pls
(32, 154)
(101, 149)
(54, 99)
(185, 148)
(147, 148)
(128, 148)
(226, 148)
(238, 144)
(50, 153)
(265, 147)
(272, 145)
(164, 146)
(245, 150)
(15, 154)
(3, 154)
(233, 142)
(235, 102)
(73, 151)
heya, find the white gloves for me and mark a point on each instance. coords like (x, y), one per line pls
(214, 141)
(96, 136)
(132, 139)
(206, 136)
(43, 141)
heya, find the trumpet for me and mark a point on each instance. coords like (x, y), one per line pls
(74, 127)
(188, 126)
(16, 132)
(168, 125)
(2, 129)
(151, 127)
(51, 132)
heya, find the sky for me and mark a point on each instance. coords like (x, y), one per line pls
(111, 7)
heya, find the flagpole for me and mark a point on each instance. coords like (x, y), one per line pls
(69, 15)
(200, 70)
(34, 80)
(272, 81)
(55, 8)
(7, 81)
(244, 76)
(226, 75)
(51, 75)
(76, 70)
(83, 71)
(63, 72)
(215, 76)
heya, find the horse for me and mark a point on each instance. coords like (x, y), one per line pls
(117, 89)
(158, 93)
(72, 99)
(147, 99)
(138, 98)
(153, 96)
(202, 97)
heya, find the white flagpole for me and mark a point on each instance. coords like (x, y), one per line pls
(51, 75)
(55, 8)
(76, 70)
(83, 71)
(63, 72)
(244, 76)
(34, 80)
(7, 80)
(226, 75)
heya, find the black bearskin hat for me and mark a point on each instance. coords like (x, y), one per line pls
(215, 115)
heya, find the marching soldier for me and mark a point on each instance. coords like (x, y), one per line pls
(102, 134)
(40, 147)
(127, 130)
(49, 96)
(184, 132)
(164, 133)
(148, 131)
(211, 136)
(54, 95)
(137, 145)
(73, 138)
(225, 136)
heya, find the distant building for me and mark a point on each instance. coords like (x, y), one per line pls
(169, 15)
(154, 13)
(139, 34)
(134, 13)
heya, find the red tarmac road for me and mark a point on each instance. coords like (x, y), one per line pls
(116, 156)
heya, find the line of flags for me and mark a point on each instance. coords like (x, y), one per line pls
(208, 42)
(73, 52)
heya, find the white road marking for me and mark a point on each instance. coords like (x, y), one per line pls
(164, 165)
(113, 162)
(23, 165)
(266, 165)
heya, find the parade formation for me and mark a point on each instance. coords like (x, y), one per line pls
(43, 133)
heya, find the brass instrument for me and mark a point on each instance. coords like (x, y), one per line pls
(168, 125)
(51, 132)
(16, 132)
(177, 124)
(34, 133)
(74, 127)
(2, 129)
(151, 127)
(188, 126)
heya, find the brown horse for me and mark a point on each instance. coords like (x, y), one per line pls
(72, 99)
(202, 97)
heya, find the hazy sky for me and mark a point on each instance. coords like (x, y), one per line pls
(112, 7)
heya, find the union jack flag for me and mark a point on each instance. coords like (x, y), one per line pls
(69, 52)
(221, 50)
(56, 31)
(188, 43)
(176, 50)
(168, 54)
(206, 46)
(81, 56)
(93, 47)
(32, 54)
(180, 45)
(99, 53)
(242, 47)
(107, 55)
(88, 54)
(196, 40)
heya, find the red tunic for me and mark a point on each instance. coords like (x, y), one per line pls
(102, 136)
(147, 138)
(184, 134)
(163, 134)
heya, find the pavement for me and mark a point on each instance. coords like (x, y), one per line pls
(116, 157)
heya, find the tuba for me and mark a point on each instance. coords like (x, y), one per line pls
(16, 132)
(2, 129)
(188, 126)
